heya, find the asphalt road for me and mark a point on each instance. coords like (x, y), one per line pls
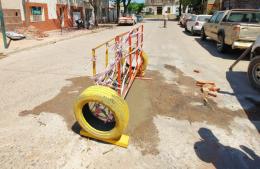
(169, 127)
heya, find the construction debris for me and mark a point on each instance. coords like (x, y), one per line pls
(14, 36)
(208, 89)
(196, 71)
(31, 32)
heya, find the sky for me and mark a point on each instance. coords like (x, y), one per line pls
(138, 1)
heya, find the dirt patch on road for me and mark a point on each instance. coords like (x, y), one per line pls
(62, 104)
(2, 55)
(146, 99)
(189, 105)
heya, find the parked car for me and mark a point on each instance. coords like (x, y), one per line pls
(140, 18)
(253, 70)
(236, 28)
(127, 20)
(195, 24)
(184, 18)
(254, 65)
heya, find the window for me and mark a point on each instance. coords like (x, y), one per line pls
(168, 10)
(244, 17)
(203, 18)
(255, 18)
(193, 18)
(103, 12)
(37, 14)
(225, 19)
(213, 18)
(219, 17)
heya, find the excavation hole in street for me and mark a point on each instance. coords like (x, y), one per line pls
(98, 116)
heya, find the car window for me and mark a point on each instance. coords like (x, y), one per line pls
(203, 18)
(255, 18)
(194, 18)
(219, 17)
(225, 19)
(244, 17)
(213, 18)
(188, 16)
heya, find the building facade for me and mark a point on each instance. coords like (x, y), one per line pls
(12, 13)
(159, 7)
(241, 4)
(52, 14)
(213, 5)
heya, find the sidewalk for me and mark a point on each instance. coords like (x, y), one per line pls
(53, 37)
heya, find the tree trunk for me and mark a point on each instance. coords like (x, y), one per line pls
(94, 5)
(118, 9)
(95, 15)
(125, 7)
(180, 8)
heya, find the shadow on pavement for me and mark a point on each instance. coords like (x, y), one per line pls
(186, 33)
(210, 150)
(211, 47)
(248, 97)
(76, 128)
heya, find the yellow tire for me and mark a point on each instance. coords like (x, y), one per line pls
(111, 100)
(145, 61)
(141, 71)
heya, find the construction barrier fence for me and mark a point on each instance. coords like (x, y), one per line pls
(101, 109)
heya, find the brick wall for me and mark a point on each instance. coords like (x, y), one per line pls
(12, 18)
(51, 24)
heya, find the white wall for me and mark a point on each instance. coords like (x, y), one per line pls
(165, 9)
(175, 9)
(15, 4)
(51, 4)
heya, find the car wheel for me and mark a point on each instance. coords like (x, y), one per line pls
(254, 72)
(203, 35)
(221, 46)
(186, 29)
(192, 31)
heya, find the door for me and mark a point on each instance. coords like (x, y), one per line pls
(208, 26)
(159, 10)
(62, 17)
(216, 26)
(76, 16)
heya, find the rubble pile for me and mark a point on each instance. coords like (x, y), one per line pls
(208, 89)
(31, 32)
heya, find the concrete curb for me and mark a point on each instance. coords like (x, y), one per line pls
(5, 54)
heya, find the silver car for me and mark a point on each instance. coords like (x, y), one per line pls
(196, 22)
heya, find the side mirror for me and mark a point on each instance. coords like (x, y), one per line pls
(207, 20)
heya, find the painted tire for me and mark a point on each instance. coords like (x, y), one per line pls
(145, 61)
(109, 98)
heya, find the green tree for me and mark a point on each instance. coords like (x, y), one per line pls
(135, 7)
(126, 4)
(194, 4)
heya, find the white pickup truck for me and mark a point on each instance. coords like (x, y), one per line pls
(237, 28)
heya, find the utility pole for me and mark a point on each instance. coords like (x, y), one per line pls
(180, 6)
(3, 25)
